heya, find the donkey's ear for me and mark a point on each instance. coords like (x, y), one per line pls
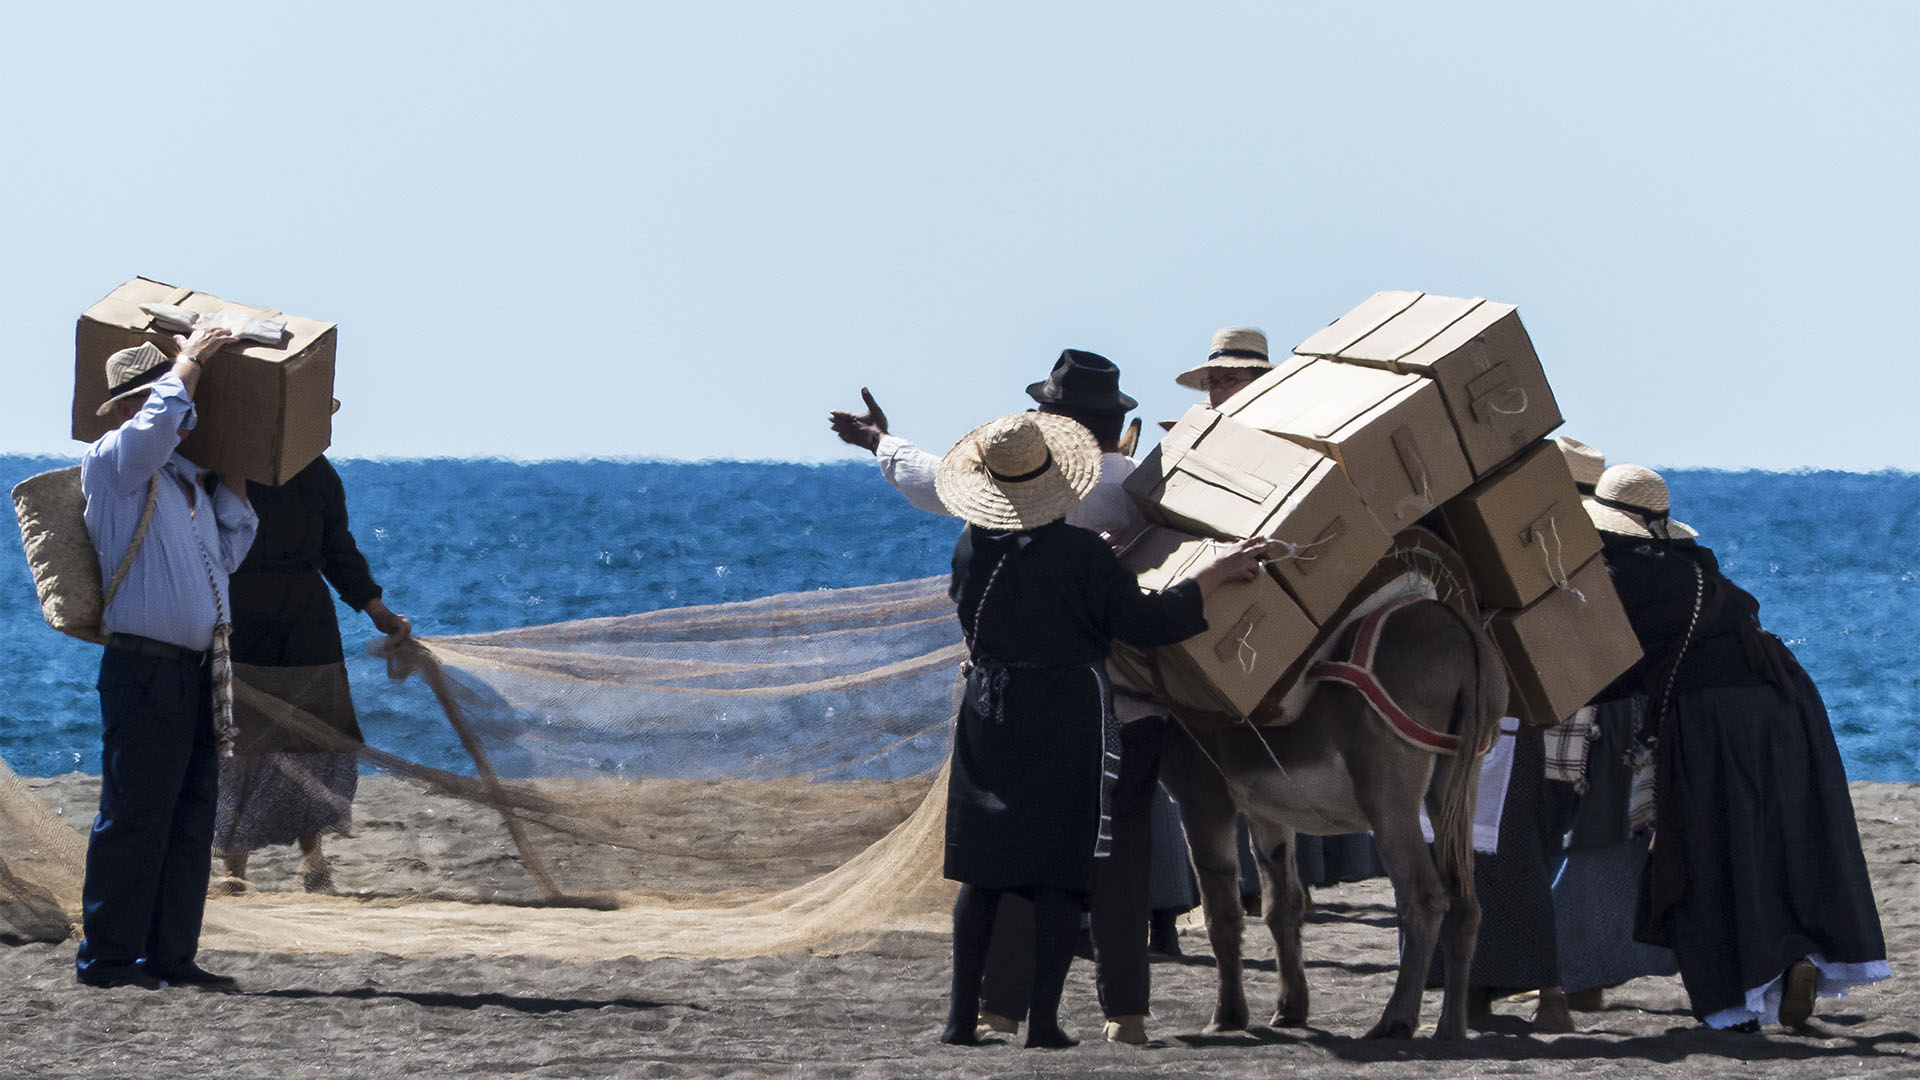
(1130, 439)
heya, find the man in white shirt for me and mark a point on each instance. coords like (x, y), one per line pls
(1084, 386)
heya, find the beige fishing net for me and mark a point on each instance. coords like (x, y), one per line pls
(728, 780)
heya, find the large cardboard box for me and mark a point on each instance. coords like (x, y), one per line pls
(1565, 647)
(265, 412)
(1254, 631)
(1476, 350)
(1389, 431)
(1215, 476)
(1522, 529)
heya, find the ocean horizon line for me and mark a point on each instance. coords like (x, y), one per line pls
(614, 459)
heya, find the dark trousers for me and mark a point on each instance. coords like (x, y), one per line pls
(1120, 906)
(150, 851)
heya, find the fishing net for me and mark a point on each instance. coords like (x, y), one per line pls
(725, 780)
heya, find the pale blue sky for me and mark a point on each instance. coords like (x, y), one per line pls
(640, 230)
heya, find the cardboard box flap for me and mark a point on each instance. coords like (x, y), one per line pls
(1395, 341)
(1319, 398)
(1336, 336)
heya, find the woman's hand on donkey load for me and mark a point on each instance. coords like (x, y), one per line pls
(1235, 562)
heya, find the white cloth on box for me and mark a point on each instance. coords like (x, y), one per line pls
(1496, 769)
(267, 331)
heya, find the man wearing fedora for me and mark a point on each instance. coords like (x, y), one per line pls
(167, 533)
(1238, 357)
(1085, 387)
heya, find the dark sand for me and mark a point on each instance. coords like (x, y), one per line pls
(873, 1012)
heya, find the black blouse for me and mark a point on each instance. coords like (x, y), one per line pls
(1058, 596)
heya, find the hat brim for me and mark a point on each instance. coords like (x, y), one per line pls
(138, 391)
(1621, 523)
(1115, 402)
(971, 493)
(1195, 378)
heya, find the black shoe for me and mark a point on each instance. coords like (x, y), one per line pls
(195, 975)
(1163, 933)
(127, 976)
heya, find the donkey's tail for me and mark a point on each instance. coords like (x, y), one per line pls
(1453, 832)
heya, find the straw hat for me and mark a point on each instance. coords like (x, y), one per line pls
(1583, 461)
(1631, 500)
(1234, 347)
(129, 372)
(1019, 471)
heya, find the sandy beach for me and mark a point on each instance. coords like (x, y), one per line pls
(510, 1001)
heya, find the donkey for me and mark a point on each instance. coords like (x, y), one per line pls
(1342, 767)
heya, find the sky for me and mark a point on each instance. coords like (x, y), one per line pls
(687, 231)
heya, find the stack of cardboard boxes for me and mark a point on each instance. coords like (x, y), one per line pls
(265, 411)
(1409, 407)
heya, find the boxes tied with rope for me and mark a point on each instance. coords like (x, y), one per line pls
(1565, 647)
(1522, 530)
(264, 404)
(1389, 431)
(1214, 476)
(1474, 350)
(1254, 632)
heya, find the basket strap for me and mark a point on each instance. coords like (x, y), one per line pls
(139, 534)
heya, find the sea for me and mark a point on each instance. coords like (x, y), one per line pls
(464, 546)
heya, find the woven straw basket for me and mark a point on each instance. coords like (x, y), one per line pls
(66, 570)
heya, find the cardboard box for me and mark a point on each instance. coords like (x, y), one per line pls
(265, 412)
(1522, 529)
(1566, 647)
(1215, 476)
(1254, 631)
(1390, 432)
(1476, 350)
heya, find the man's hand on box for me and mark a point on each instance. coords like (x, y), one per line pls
(205, 340)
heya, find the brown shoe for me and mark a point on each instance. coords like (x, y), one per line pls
(1796, 999)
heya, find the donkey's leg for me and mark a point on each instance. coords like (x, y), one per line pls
(1285, 910)
(1421, 903)
(1458, 934)
(1207, 814)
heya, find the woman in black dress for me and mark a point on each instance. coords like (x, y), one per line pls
(295, 769)
(1756, 880)
(1035, 749)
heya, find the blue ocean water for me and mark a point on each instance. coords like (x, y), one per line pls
(465, 546)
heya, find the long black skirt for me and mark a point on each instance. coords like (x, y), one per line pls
(1024, 800)
(1766, 866)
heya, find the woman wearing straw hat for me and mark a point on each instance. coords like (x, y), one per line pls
(1756, 881)
(1035, 748)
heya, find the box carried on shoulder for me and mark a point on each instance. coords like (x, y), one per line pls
(1254, 632)
(1390, 432)
(1475, 350)
(265, 412)
(1214, 476)
(1522, 529)
(1566, 647)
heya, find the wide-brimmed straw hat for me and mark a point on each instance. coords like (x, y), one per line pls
(1631, 500)
(129, 372)
(1235, 347)
(1019, 471)
(1082, 382)
(1585, 462)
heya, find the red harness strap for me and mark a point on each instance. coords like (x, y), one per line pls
(1357, 671)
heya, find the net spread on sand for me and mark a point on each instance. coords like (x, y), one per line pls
(727, 780)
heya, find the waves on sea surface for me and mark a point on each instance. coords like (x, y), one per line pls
(465, 546)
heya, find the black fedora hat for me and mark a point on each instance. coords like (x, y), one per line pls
(1083, 381)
